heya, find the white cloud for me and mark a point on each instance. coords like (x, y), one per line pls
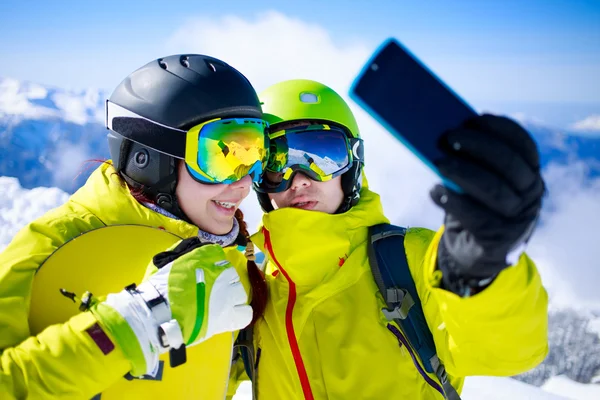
(67, 162)
(524, 118)
(272, 47)
(20, 206)
(565, 246)
(15, 100)
(33, 101)
(589, 124)
(80, 108)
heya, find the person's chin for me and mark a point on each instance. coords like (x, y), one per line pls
(224, 229)
(326, 208)
(218, 226)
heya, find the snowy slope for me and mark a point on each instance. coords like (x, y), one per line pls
(491, 388)
(563, 386)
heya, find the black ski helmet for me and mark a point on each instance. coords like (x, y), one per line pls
(178, 91)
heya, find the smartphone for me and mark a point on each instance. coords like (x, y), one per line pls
(410, 101)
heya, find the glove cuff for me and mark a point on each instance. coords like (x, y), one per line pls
(456, 278)
(140, 321)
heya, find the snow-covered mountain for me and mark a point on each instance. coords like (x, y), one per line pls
(300, 157)
(564, 147)
(574, 340)
(47, 134)
(28, 100)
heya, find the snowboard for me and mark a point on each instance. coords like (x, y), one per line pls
(103, 261)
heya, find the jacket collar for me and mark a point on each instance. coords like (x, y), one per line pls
(310, 246)
(107, 196)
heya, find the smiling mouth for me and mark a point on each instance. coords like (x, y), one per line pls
(225, 204)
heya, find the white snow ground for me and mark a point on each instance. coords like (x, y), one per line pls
(493, 388)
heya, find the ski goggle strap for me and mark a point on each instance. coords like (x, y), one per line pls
(321, 152)
(215, 151)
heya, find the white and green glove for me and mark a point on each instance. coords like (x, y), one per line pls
(190, 293)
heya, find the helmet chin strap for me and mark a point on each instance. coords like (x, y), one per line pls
(165, 199)
(169, 203)
(351, 186)
(274, 204)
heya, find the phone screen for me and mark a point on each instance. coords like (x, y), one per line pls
(405, 97)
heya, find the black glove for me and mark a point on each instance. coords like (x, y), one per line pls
(496, 163)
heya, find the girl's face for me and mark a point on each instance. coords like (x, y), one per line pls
(210, 207)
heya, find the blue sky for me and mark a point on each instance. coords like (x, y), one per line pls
(519, 56)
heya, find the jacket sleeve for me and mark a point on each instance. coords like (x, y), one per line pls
(501, 331)
(63, 360)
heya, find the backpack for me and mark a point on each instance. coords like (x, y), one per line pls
(403, 306)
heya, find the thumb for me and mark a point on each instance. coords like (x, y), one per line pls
(440, 195)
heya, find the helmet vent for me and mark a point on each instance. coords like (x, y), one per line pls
(211, 66)
(184, 60)
(162, 64)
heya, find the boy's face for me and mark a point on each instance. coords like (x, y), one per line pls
(310, 195)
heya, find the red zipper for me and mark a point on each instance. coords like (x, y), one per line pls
(289, 325)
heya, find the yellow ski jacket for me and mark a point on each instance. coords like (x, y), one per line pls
(324, 336)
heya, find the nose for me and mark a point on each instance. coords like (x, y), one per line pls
(243, 183)
(300, 181)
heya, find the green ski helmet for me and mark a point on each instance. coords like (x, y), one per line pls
(307, 100)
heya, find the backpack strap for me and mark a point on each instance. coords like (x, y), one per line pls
(389, 266)
(245, 344)
(245, 341)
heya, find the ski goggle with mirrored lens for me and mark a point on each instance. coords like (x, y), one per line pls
(321, 152)
(215, 151)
